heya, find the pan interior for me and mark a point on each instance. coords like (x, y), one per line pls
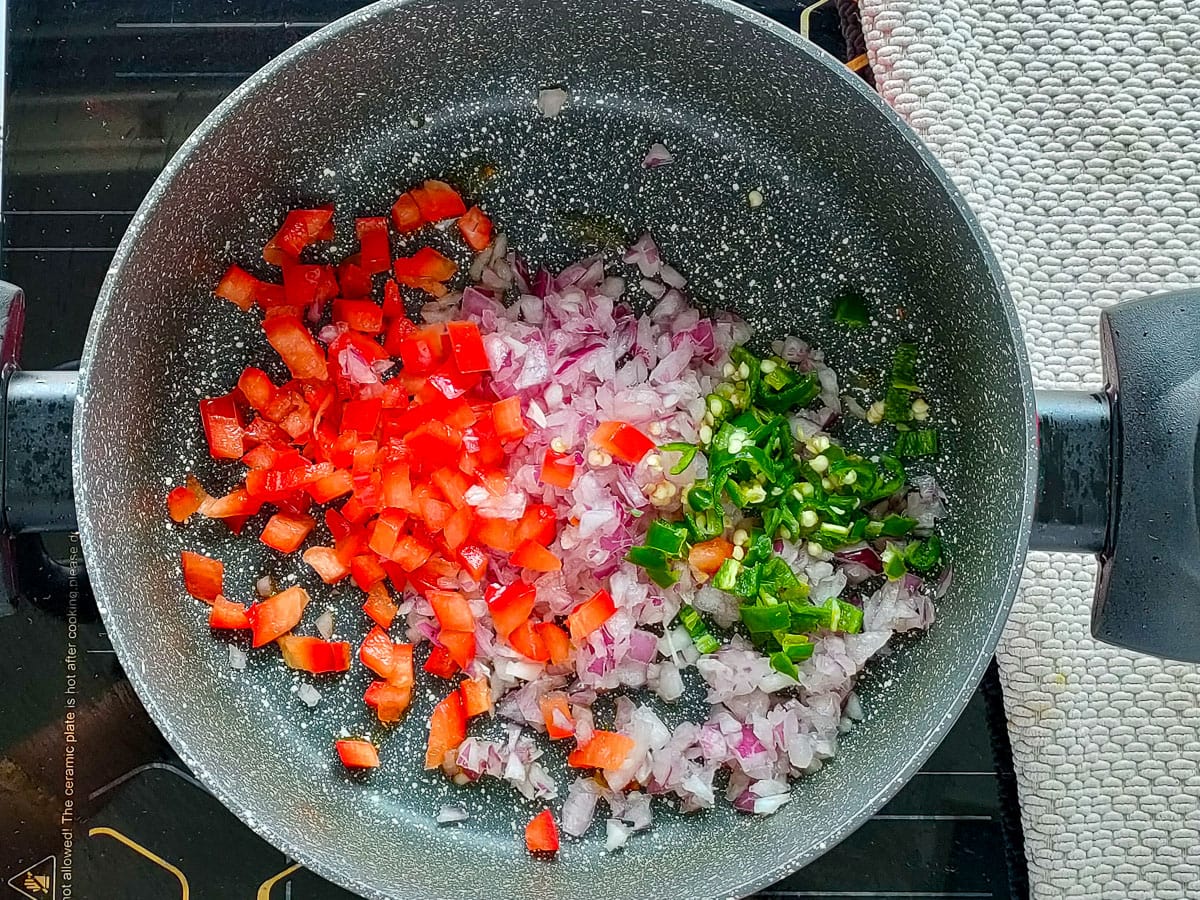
(406, 91)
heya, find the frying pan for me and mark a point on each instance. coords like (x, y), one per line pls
(406, 90)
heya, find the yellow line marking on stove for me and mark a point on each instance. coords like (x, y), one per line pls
(153, 857)
(264, 890)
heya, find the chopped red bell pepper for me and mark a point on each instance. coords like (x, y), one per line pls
(437, 201)
(422, 350)
(377, 653)
(460, 645)
(426, 269)
(326, 563)
(328, 487)
(304, 286)
(476, 228)
(367, 572)
(182, 502)
(242, 289)
(605, 750)
(357, 754)
(353, 280)
(474, 559)
(222, 427)
(477, 696)
(203, 577)
(590, 615)
(531, 555)
(527, 641)
(506, 416)
(312, 654)
(452, 610)
(406, 215)
(447, 729)
(509, 605)
(541, 834)
(360, 315)
(295, 345)
(379, 605)
(277, 615)
(538, 524)
(390, 701)
(466, 344)
(558, 469)
(440, 663)
(236, 503)
(300, 228)
(376, 252)
(285, 533)
(225, 614)
(558, 643)
(556, 713)
(707, 556)
(622, 441)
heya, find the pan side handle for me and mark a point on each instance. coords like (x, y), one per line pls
(1120, 476)
(35, 458)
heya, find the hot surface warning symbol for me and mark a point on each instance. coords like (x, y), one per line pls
(36, 882)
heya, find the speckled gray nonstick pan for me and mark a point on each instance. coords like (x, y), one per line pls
(402, 91)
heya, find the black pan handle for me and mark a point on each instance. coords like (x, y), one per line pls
(1120, 476)
(35, 456)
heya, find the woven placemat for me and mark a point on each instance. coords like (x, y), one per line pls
(1073, 128)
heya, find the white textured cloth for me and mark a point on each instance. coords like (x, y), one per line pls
(1073, 128)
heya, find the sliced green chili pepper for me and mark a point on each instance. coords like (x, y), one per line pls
(697, 630)
(850, 309)
(758, 619)
(923, 442)
(668, 537)
(687, 452)
(780, 662)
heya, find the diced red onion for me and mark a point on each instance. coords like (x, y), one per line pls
(308, 694)
(550, 101)
(657, 155)
(448, 814)
(324, 624)
(237, 657)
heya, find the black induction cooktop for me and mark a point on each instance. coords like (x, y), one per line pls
(94, 805)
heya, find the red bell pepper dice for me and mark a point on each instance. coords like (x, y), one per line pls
(326, 563)
(476, 228)
(239, 287)
(558, 643)
(510, 605)
(605, 750)
(558, 469)
(357, 754)
(506, 415)
(367, 572)
(440, 663)
(300, 228)
(421, 350)
(335, 484)
(406, 215)
(437, 201)
(285, 533)
(477, 696)
(590, 615)
(379, 605)
(466, 344)
(526, 640)
(452, 610)
(203, 577)
(258, 389)
(361, 315)
(474, 559)
(376, 254)
(622, 441)
(377, 653)
(534, 556)
(538, 524)
(222, 427)
(183, 501)
(353, 281)
(447, 729)
(556, 713)
(390, 701)
(225, 614)
(541, 834)
(312, 654)
(277, 615)
(460, 645)
(295, 345)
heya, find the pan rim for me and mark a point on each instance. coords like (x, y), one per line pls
(261, 80)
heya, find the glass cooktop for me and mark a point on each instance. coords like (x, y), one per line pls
(93, 803)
